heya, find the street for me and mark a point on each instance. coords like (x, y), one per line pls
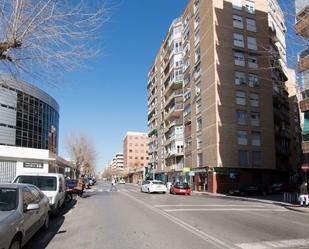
(131, 219)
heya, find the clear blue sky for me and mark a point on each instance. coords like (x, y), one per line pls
(110, 98)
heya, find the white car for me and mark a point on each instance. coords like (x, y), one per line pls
(153, 186)
(122, 181)
(52, 185)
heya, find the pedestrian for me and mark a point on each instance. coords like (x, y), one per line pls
(113, 185)
(303, 197)
(81, 185)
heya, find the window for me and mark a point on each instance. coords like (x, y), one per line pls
(254, 100)
(256, 138)
(199, 141)
(239, 40)
(239, 59)
(237, 22)
(200, 160)
(130, 157)
(197, 55)
(243, 158)
(255, 119)
(252, 62)
(199, 124)
(253, 80)
(240, 98)
(251, 43)
(198, 106)
(241, 117)
(237, 4)
(240, 78)
(250, 6)
(251, 25)
(242, 137)
(256, 158)
(130, 150)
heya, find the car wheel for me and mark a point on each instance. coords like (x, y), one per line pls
(148, 191)
(16, 243)
(46, 223)
(163, 192)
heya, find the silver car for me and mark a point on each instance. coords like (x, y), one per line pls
(24, 209)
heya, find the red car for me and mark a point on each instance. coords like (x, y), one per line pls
(181, 188)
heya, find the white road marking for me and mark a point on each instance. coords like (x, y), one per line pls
(275, 244)
(124, 190)
(209, 205)
(204, 236)
(100, 190)
(224, 209)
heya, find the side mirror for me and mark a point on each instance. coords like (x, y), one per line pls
(33, 206)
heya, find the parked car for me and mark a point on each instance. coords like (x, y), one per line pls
(90, 180)
(280, 188)
(122, 181)
(52, 185)
(181, 188)
(249, 190)
(152, 186)
(24, 209)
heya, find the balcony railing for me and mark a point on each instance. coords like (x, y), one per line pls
(303, 61)
(301, 25)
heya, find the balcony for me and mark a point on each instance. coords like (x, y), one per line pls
(174, 123)
(175, 94)
(304, 105)
(173, 153)
(301, 26)
(174, 84)
(175, 111)
(153, 132)
(303, 61)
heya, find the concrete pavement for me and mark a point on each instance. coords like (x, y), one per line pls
(131, 219)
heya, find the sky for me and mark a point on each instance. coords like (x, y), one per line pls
(109, 97)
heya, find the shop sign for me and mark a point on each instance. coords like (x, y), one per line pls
(191, 173)
(305, 167)
(33, 165)
(186, 169)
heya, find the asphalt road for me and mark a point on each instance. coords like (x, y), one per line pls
(130, 219)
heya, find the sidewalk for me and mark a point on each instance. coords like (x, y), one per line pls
(268, 199)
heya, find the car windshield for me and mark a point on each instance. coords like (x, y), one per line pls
(158, 183)
(44, 183)
(8, 199)
(182, 185)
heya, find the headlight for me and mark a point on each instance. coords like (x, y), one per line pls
(50, 199)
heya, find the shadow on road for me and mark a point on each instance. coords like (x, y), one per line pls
(42, 238)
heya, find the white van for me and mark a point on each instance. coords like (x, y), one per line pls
(52, 185)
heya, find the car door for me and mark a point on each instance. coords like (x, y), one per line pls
(42, 210)
(29, 217)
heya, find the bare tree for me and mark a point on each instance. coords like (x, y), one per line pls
(39, 36)
(83, 153)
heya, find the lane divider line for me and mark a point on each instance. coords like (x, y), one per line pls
(204, 236)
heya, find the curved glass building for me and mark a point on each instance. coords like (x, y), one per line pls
(29, 117)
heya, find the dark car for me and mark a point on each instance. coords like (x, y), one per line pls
(181, 188)
(280, 188)
(249, 190)
(71, 186)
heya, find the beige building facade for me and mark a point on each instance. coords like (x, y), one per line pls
(232, 105)
(135, 150)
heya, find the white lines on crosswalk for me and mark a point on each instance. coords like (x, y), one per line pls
(208, 205)
(293, 243)
(225, 209)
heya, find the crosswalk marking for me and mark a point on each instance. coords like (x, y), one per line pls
(304, 243)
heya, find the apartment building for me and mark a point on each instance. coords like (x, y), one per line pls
(135, 150)
(302, 29)
(165, 105)
(118, 161)
(231, 101)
